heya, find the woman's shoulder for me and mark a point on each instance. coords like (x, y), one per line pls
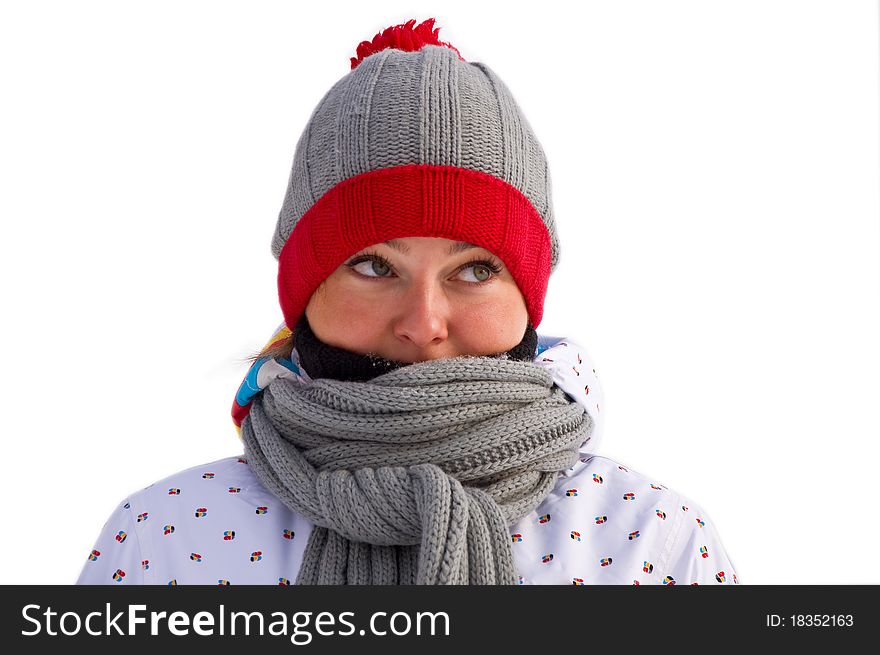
(232, 470)
(617, 525)
(603, 523)
(622, 485)
(613, 482)
(226, 485)
(206, 524)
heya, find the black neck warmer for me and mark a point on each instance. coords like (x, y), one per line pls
(321, 360)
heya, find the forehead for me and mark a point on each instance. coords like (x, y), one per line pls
(454, 248)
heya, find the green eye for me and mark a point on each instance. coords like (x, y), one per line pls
(380, 267)
(486, 273)
(487, 270)
(484, 270)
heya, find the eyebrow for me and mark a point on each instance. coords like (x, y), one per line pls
(455, 248)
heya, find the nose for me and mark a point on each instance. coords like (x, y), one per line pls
(420, 320)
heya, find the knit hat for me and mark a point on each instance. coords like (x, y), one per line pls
(415, 141)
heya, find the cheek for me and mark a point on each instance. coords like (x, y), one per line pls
(495, 325)
(343, 317)
(340, 297)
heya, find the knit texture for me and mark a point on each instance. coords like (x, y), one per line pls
(415, 476)
(415, 200)
(422, 107)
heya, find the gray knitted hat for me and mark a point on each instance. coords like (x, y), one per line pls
(415, 141)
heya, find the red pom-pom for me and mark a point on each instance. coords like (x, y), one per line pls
(407, 36)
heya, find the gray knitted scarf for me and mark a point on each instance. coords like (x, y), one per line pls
(415, 476)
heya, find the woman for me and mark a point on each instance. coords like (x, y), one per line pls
(406, 424)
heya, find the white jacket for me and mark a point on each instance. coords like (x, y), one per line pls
(604, 523)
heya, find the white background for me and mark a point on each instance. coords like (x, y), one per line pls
(715, 175)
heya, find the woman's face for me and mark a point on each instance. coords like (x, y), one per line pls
(418, 298)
